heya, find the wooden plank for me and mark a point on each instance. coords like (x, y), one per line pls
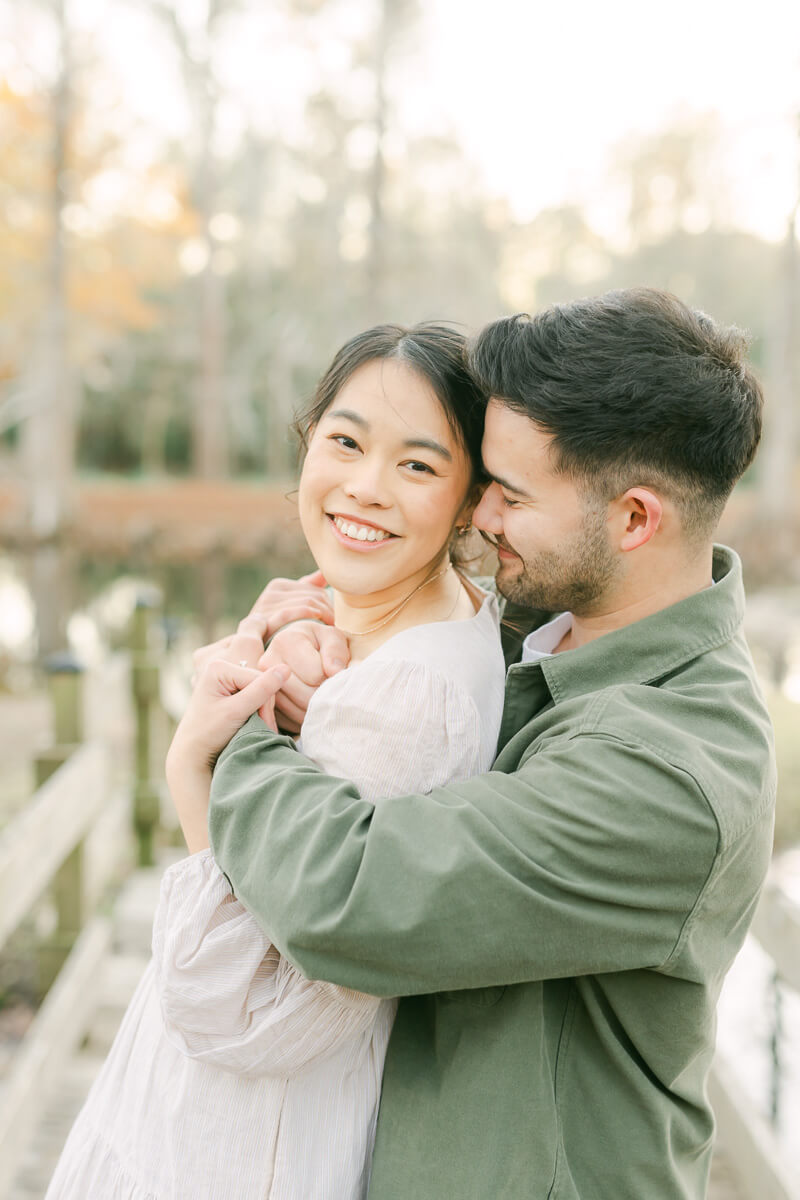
(34, 845)
(776, 927)
(750, 1145)
(55, 1031)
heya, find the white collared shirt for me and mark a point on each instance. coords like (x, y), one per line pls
(543, 641)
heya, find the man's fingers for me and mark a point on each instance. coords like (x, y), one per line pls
(278, 591)
(315, 578)
(311, 609)
(265, 624)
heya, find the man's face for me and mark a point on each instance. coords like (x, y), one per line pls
(553, 545)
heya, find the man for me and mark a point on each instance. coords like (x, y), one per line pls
(559, 929)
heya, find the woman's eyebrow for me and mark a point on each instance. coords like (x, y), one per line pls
(428, 444)
(348, 415)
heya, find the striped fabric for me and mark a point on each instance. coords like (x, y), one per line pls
(233, 1077)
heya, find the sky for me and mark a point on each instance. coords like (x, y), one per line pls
(540, 96)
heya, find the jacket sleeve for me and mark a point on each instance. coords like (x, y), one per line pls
(227, 997)
(555, 870)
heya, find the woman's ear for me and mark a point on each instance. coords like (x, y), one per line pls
(464, 518)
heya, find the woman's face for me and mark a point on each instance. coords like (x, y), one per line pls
(383, 484)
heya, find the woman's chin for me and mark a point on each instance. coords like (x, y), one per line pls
(345, 583)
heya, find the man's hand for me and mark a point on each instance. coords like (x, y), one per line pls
(313, 653)
(285, 600)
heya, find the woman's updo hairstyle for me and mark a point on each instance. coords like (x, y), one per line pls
(437, 353)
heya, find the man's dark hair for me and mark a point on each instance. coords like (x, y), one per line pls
(636, 389)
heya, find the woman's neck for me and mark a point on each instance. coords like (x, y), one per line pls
(432, 595)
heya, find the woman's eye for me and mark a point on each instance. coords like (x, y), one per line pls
(419, 468)
(510, 503)
(344, 441)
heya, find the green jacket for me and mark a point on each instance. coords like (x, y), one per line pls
(558, 929)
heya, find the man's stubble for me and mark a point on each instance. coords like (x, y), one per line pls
(574, 578)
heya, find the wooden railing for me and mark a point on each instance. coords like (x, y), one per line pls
(50, 850)
(749, 1138)
(45, 850)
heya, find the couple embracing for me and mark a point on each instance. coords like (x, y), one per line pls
(459, 928)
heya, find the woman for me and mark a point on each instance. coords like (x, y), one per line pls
(232, 1075)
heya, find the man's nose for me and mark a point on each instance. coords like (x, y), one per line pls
(488, 514)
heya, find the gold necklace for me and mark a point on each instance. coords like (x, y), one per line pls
(385, 620)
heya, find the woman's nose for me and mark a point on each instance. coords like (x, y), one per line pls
(488, 514)
(367, 484)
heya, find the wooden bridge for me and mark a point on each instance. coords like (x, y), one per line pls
(90, 831)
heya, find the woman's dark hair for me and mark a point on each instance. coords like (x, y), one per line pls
(437, 353)
(636, 389)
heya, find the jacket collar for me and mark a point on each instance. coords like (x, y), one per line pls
(649, 649)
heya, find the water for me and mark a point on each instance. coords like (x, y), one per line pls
(751, 1008)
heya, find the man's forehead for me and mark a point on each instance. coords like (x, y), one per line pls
(513, 444)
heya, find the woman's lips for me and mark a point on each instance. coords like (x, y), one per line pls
(360, 544)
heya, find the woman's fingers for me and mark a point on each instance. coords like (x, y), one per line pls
(245, 648)
(231, 693)
(334, 650)
(260, 694)
(206, 654)
(298, 647)
(289, 717)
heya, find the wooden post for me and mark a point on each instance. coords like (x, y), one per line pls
(146, 698)
(65, 680)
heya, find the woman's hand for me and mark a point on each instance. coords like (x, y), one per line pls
(313, 653)
(226, 694)
(299, 605)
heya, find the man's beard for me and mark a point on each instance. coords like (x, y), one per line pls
(573, 578)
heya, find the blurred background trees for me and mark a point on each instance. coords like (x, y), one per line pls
(172, 285)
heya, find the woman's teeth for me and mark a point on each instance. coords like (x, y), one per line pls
(361, 533)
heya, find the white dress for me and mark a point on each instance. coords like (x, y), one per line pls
(232, 1077)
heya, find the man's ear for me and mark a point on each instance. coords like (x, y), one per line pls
(636, 517)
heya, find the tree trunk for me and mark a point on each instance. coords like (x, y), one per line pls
(48, 432)
(778, 456)
(376, 262)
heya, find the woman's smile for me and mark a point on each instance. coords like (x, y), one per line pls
(358, 534)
